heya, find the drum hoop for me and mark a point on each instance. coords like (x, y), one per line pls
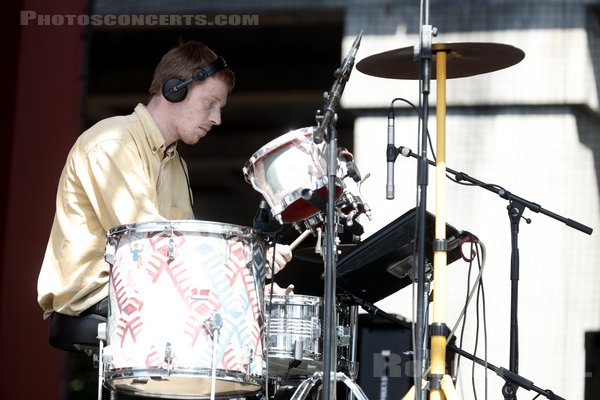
(277, 143)
(296, 299)
(196, 226)
(295, 195)
(112, 377)
(223, 374)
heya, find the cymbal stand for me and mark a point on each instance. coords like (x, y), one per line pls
(438, 379)
(425, 58)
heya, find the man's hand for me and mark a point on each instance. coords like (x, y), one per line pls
(283, 255)
(278, 289)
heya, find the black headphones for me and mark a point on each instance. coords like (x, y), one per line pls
(175, 89)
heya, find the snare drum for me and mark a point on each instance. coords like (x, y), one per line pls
(293, 328)
(180, 293)
(285, 167)
(294, 332)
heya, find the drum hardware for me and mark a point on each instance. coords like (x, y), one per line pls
(168, 355)
(103, 359)
(304, 389)
(327, 131)
(343, 336)
(214, 325)
(171, 247)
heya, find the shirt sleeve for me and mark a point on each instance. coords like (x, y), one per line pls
(119, 185)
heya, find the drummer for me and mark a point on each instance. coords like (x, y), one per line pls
(126, 170)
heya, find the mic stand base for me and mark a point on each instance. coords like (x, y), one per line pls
(512, 379)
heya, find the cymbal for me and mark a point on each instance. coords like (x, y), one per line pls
(309, 254)
(462, 60)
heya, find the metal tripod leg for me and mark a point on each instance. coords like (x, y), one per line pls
(214, 325)
(102, 337)
(309, 383)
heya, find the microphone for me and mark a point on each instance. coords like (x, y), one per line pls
(351, 168)
(391, 156)
(349, 60)
(261, 218)
(342, 74)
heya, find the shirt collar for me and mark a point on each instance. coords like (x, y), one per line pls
(153, 135)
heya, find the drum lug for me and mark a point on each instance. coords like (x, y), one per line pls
(248, 358)
(172, 249)
(349, 367)
(343, 336)
(214, 323)
(109, 254)
(316, 326)
(169, 354)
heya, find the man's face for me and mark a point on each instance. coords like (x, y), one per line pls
(200, 110)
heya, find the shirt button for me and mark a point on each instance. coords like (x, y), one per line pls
(154, 149)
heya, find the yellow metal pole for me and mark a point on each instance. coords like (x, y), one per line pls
(438, 339)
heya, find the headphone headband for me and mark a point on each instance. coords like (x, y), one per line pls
(175, 89)
(203, 73)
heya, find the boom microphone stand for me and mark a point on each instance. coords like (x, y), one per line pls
(510, 377)
(515, 209)
(326, 130)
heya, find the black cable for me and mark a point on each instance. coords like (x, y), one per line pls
(187, 179)
(419, 114)
(480, 292)
(420, 121)
(485, 354)
(476, 341)
(485, 185)
(464, 322)
(269, 307)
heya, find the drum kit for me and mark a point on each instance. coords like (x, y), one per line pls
(189, 317)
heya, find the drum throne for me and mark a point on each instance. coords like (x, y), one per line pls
(82, 334)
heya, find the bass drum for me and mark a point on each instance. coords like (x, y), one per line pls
(181, 293)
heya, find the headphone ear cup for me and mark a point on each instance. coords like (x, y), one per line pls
(177, 95)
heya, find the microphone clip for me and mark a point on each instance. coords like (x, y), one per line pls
(391, 153)
(262, 220)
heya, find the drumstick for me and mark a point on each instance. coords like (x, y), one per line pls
(288, 289)
(300, 239)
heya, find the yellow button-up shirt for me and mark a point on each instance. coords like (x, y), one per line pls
(118, 172)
